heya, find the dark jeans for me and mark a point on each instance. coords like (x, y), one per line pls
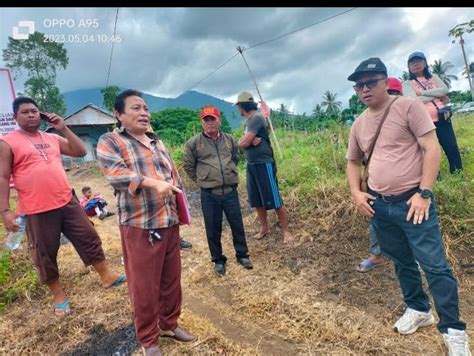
(212, 207)
(447, 140)
(404, 242)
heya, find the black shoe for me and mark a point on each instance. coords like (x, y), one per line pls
(219, 268)
(109, 213)
(244, 261)
(185, 245)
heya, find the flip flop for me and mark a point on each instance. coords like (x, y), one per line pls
(367, 265)
(119, 281)
(63, 307)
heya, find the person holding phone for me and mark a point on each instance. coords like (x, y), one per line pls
(33, 158)
(144, 177)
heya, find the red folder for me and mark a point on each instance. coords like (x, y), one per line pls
(183, 208)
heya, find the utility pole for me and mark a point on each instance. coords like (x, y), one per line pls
(241, 50)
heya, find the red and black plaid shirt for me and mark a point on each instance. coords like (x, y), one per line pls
(126, 162)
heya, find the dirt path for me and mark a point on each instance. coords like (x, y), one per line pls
(264, 342)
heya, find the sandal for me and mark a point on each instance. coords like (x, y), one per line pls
(367, 265)
(119, 281)
(64, 308)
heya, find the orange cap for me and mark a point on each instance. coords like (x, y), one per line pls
(210, 111)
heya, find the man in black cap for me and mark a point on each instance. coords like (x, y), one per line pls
(402, 169)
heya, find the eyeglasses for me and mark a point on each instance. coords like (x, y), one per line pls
(209, 118)
(370, 84)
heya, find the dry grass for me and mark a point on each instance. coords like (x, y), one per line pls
(305, 299)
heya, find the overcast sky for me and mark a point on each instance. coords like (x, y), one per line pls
(165, 51)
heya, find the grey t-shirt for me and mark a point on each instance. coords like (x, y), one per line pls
(263, 152)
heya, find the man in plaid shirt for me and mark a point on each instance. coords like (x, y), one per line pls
(144, 177)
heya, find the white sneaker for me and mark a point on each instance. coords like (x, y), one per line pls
(457, 342)
(412, 320)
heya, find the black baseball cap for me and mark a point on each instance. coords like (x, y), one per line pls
(371, 65)
(416, 55)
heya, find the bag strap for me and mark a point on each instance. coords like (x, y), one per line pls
(432, 101)
(371, 149)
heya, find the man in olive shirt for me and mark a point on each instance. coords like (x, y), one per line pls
(210, 160)
(262, 183)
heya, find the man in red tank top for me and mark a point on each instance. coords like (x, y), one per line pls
(33, 158)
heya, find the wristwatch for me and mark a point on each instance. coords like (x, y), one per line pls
(426, 193)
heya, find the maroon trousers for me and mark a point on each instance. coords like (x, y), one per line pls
(154, 280)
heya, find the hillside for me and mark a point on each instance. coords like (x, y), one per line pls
(190, 100)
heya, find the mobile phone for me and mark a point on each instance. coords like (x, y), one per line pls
(44, 117)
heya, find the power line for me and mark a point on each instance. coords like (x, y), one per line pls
(299, 29)
(207, 76)
(268, 41)
(112, 50)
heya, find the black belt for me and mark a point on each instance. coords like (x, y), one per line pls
(396, 198)
(221, 190)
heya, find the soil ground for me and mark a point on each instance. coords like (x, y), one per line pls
(298, 300)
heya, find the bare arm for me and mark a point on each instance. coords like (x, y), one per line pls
(70, 144)
(353, 175)
(431, 161)
(8, 216)
(361, 199)
(246, 140)
(419, 207)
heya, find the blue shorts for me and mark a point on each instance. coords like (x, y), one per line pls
(262, 186)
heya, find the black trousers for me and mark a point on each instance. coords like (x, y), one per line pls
(212, 207)
(447, 140)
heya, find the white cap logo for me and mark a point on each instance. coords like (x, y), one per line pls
(371, 65)
(30, 26)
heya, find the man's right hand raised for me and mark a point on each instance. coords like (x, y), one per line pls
(361, 200)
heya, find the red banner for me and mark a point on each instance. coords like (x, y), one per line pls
(264, 109)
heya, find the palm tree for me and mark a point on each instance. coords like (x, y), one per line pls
(283, 109)
(329, 101)
(440, 69)
(318, 111)
(469, 71)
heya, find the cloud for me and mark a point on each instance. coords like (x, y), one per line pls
(165, 51)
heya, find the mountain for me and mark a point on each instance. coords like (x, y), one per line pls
(76, 99)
